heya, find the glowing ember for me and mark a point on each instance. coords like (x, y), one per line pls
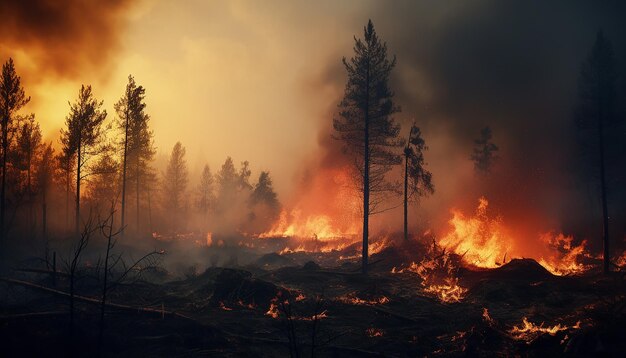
(315, 317)
(223, 307)
(273, 310)
(354, 300)
(528, 331)
(487, 318)
(621, 261)
(479, 239)
(448, 292)
(374, 332)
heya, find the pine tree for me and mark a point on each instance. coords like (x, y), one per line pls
(484, 154)
(228, 182)
(418, 181)
(12, 99)
(596, 112)
(206, 191)
(175, 183)
(82, 137)
(366, 126)
(44, 174)
(264, 193)
(137, 145)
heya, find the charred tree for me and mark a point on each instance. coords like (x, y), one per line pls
(12, 99)
(366, 127)
(418, 181)
(596, 112)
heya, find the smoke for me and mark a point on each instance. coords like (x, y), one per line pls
(62, 38)
(512, 66)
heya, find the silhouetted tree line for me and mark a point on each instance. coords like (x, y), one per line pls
(107, 165)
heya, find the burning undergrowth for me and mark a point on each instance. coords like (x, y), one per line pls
(438, 271)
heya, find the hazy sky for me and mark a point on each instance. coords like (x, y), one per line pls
(259, 80)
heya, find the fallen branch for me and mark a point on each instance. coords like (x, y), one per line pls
(90, 300)
(33, 315)
(393, 314)
(49, 272)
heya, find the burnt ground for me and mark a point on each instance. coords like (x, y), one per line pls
(305, 304)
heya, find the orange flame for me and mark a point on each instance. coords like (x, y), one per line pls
(565, 257)
(352, 299)
(479, 239)
(484, 241)
(438, 276)
(528, 331)
(318, 227)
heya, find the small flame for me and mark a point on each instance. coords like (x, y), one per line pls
(273, 310)
(528, 331)
(351, 299)
(487, 317)
(374, 332)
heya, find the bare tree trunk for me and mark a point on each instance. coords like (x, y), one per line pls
(124, 166)
(67, 196)
(366, 175)
(137, 192)
(78, 164)
(150, 210)
(104, 285)
(406, 197)
(5, 135)
(605, 215)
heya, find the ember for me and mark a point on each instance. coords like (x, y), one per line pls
(529, 331)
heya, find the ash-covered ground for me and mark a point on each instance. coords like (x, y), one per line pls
(417, 300)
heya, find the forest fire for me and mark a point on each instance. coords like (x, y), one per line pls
(484, 241)
(481, 240)
(438, 274)
(203, 178)
(316, 227)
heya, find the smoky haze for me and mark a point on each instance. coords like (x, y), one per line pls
(240, 79)
(62, 38)
(512, 66)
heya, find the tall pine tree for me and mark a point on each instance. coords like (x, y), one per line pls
(366, 126)
(12, 99)
(82, 137)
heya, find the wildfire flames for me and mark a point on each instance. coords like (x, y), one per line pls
(479, 239)
(484, 241)
(317, 227)
(438, 274)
